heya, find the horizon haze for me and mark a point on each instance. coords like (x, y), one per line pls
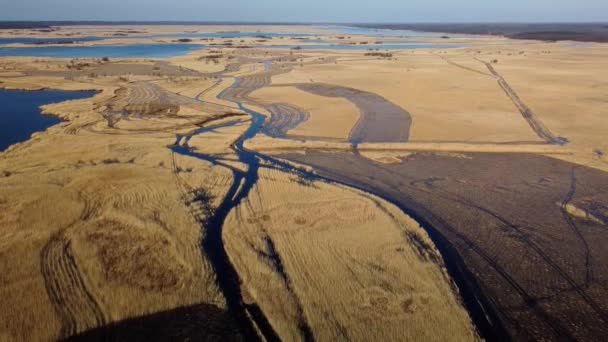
(314, 11)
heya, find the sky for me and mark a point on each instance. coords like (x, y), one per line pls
(402, 11)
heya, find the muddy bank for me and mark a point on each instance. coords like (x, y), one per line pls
(380, 120)
(506, 216)
(283, 117)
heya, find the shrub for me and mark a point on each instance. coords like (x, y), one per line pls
(380, 54)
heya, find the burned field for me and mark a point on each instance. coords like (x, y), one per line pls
(380, 120)
(531, 230)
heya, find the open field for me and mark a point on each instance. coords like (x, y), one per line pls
(326, 118)
(90, 254)
(248, 192)
(379, 275)
(529, 228)
(415, 83)
(101, 248)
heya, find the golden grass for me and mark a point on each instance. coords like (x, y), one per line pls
(108, 210)
(134, 243)
(567, 89)
(446, 103)
(351, 265)
(267, 144)
(452, 97)
(218, 141)
(330, 117)
(95, 224)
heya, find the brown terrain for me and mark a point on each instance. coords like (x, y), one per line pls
(251, 193)
(140, 217)
(531, 230)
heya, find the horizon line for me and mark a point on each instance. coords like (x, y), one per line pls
(206, 22)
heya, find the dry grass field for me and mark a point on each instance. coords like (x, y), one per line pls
(530, 228)
(96, 222)
(567, 89)
(340, 263)
(328, 118)
(447, 103)
(448, 194)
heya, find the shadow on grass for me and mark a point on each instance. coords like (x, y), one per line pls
(201, 322)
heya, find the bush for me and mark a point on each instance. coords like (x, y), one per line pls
(380, 54)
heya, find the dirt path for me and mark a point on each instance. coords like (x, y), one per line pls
(539, 128)
(464, 67)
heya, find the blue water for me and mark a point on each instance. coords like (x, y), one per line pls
(314, 40)
(170, 50)
(98, 51)
(367, 47)
(225, 35)
(20, 114)
(391, 33)
(30, 40)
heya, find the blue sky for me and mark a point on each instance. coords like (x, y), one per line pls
(309, 10)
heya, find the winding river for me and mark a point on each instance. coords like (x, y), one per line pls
(244, 181)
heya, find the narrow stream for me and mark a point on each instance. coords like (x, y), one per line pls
(212, 245)
(227, 276)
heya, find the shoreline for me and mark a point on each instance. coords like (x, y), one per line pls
(43, 112)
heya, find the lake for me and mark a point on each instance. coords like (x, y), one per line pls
(155, 50)
(30, 40)
(367, 47)
(391, 33)
(20, 114)
(98, 51)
